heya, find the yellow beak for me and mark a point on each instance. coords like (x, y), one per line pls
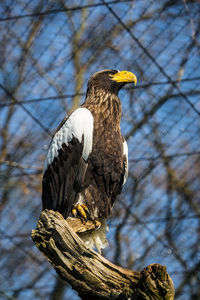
(124, 76)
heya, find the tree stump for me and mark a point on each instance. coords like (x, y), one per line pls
(89, 273)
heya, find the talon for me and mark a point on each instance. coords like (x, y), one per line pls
(97, 224)
(81, 210)
(84, 207)
(74, 212)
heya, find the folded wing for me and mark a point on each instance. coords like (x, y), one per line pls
(66, 162)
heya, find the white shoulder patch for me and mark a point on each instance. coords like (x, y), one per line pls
(79, 124)
(125, 149)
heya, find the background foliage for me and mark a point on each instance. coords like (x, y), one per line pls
(48, 50)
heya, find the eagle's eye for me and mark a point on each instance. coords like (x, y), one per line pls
(111, 73)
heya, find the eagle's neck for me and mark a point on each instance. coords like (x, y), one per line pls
(105, 107)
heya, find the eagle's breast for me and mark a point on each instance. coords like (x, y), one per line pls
(106, 168)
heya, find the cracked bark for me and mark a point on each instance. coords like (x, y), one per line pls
(90, 274)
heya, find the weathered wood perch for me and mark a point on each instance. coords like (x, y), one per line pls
(90, 274)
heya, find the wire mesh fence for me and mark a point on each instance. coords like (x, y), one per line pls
(49, 49)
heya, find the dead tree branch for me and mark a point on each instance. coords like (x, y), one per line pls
(90, 274)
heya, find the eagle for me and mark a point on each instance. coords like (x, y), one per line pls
(87, 161)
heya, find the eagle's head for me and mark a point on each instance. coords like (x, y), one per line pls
(111, 80)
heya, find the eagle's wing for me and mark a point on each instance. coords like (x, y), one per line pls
(66, 162)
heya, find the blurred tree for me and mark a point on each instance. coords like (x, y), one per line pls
(48, 51)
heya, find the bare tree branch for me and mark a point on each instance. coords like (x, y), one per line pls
(89, 273)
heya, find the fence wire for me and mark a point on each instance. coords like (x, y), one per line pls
(49, 49)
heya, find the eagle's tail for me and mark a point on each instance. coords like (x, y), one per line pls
(97, 237)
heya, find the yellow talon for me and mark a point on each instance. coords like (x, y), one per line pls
(74, 212)
(84, 207)
(81, 210)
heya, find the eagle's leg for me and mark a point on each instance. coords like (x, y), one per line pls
(80, 210)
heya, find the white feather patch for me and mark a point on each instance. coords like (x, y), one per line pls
(125, 149)
(79, 124)
(96, 238)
